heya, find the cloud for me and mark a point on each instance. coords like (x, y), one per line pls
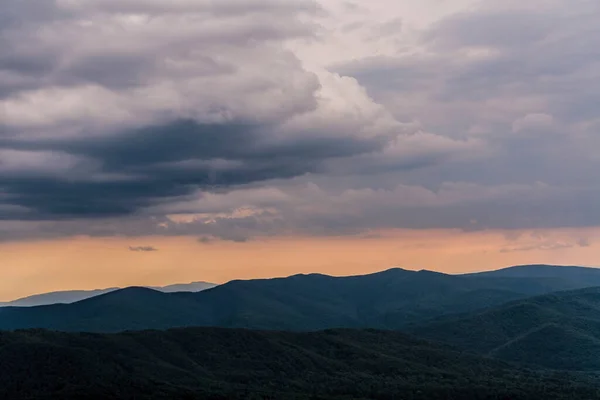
(535, 121)
(307, 208)
(125, 118)
(518, 77)
(521, 59)
(538, 241)
(205, 239)
(142, 248)
(111, 107)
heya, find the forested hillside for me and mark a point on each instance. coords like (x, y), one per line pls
(211, 363)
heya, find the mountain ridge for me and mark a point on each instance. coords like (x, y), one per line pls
(512, 271)
(390, 299)
(557, 330)
(72, 296)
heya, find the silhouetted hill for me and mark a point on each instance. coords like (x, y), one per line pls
(185, 287)
(390, 299)
(71, 296)
(211, 363)
(125, 309)
(559, 330)
(575, 277)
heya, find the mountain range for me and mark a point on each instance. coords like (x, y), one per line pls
(392, 299)
(524, 332)
(71, 296)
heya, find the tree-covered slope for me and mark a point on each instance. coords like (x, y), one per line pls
(558, 330)
(200, 363)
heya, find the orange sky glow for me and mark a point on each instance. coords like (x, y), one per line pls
(89, 263)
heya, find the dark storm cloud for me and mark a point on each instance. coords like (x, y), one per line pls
(187, 140)
(142, 167)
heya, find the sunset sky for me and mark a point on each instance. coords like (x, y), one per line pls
(147, 142)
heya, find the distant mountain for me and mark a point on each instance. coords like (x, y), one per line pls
(71, 296)
(572, 275)
(68, 296)
(391, 299)
(184, 287)
(559, 330)
(205, 363)
(132, 308)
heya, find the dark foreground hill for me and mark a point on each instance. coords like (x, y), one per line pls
(213, 363)
(390, 299)
(559, 330)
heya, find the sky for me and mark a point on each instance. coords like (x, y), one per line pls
(152, 142)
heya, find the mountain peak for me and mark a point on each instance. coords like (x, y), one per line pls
(127, 294)
(430, 272)
(393, 270)
(133, 290)
(542, 270)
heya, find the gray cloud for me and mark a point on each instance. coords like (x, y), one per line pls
(128, 104)
(306, 208)
(152, 111)
(142, 248)
(523, 79)
(541, 242)
(139, 168)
